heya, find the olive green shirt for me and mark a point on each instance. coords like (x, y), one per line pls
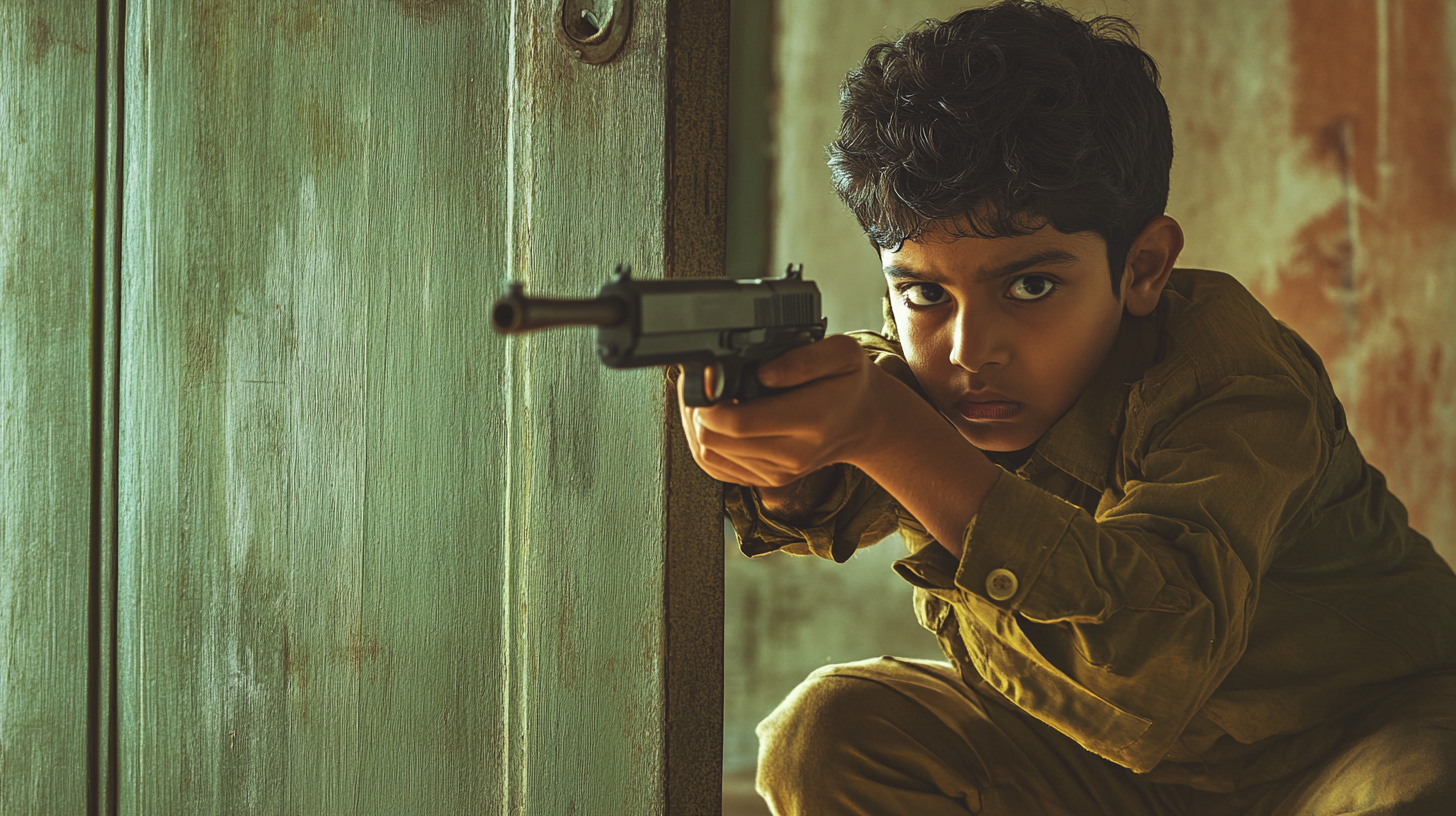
(1195, 573)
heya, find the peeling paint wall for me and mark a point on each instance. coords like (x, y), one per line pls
(1314, 162)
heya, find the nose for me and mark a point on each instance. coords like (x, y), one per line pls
(977, 342)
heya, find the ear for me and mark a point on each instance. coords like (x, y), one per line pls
(1149, 262)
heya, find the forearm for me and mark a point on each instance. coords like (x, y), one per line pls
(931, 470)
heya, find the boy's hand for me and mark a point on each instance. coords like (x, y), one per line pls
(839, 405)
(843, 408)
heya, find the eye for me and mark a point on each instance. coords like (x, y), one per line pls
(1028, 288)
(923, 294)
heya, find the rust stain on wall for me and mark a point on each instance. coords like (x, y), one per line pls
(331, 138)
(306, 23)
(1365, 281)
(361, 649)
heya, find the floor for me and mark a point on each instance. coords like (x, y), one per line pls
(739, 797)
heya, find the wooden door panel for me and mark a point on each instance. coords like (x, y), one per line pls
(374, 558)
(47, 195)
(588, 548)
(309, 601)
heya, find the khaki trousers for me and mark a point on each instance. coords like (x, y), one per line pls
(889, 736)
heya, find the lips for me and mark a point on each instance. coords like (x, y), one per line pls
(987, 405)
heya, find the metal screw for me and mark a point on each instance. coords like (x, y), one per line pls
(591, 20)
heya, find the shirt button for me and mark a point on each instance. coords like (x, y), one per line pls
(1001, 584)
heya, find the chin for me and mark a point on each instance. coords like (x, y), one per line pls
(992, 440)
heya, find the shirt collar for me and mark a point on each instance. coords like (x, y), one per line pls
(1083, 441)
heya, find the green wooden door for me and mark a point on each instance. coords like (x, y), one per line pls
(49, 580)
(370, 557)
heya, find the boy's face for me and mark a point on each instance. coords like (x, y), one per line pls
(1030, 318)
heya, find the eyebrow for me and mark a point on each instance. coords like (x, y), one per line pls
(897, 272)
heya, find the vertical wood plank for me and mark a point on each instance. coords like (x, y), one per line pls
(614, 588)
(696, 246)
(374, 559)
(47, 161)
(311, 432)
(587, 542)
(106, 369)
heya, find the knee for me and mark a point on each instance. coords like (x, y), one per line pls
(872, 737)
(1404, 768)
(1412, 769)
(823, 716)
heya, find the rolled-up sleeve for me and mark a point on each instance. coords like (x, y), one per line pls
(1116, 628)
(856, 512)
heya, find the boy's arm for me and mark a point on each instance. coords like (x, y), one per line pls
(846, 410)
(1116, 628)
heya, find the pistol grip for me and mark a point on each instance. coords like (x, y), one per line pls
(747, 387)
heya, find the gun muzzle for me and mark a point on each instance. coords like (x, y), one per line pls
(515, 313)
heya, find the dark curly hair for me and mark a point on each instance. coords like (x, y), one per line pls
(1001, 120)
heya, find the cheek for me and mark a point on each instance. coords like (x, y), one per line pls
(926, 351)
(915, 340)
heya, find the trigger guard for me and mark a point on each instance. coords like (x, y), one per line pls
(695, 391)
(695, 386)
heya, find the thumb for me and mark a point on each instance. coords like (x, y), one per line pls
(834, 355)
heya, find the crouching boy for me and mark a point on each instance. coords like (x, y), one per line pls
(1163, 575)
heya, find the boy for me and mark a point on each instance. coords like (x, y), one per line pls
(1163, 574)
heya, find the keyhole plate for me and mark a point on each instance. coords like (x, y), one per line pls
(597, 35)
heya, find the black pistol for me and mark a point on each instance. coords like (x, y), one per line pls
(729, 326)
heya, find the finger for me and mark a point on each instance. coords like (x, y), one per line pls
(770, 466)
(796, 413)
(711, 375)
(726, 470)
(835, 354)
(765, 453)
(746, 421)
(745, 471)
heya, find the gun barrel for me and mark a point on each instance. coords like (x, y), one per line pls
(515, 313)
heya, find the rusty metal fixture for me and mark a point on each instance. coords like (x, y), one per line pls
(593, 30)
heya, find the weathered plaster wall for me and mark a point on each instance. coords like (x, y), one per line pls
(1314, 162)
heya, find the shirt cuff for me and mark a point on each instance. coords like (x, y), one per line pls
(1010, 540)
(930, 567)
(828, 531)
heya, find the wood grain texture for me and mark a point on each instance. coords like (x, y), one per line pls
(106, 370)
(313, 424)
(696, 238)
(373, 558)
(586, 543)
(47, 108)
